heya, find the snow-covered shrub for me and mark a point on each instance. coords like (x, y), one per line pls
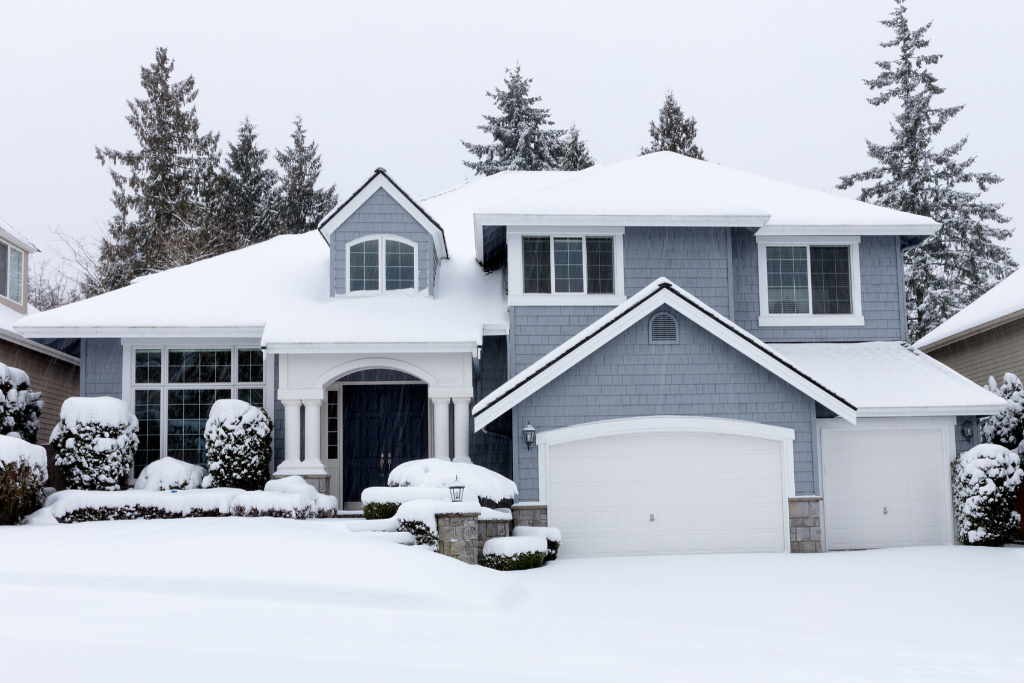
(419, 518)
(97, 506)
(549, 533)
(20, 407)
(239, 445)
(985, 482)
(289, 497)
(22, 477)
(1006, 427)
(170, 474)
(515, 552)
(492, 489)
(382, 502)
(95, 443)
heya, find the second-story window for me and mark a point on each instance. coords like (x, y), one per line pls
(364, 265)
(581, 265)
(804, 279)
(12, 272)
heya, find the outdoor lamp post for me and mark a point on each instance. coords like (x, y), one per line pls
(529, 435)
(456, 490)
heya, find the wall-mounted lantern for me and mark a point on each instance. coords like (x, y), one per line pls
(967, 431)
(529, 436)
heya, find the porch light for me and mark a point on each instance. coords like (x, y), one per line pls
(967, 431)
(529, 435)
(456, 490)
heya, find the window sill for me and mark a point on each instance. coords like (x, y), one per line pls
(565, 299)
(807, 320)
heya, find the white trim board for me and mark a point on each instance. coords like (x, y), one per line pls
(660, 292)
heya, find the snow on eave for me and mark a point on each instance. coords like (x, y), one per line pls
(9, 234)
(1002, 304)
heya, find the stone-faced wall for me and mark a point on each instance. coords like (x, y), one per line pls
(458, 536)
(529, 514)
(805, 525)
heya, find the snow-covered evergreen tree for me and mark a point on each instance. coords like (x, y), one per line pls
(575, 153)
(1006, 427)
(239, 445)
(301, 206)
(524, 137)
(674, 131)
(20, 407)
(165, 200)
(247, 206)
(985, 483)
(963, 259)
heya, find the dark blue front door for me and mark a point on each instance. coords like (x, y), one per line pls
(382, 427)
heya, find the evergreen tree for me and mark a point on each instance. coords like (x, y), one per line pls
(247, 205)
(301, 206)
(165, 201)
(523, 135)
(962, 260)
(674, 131)
(575, 154)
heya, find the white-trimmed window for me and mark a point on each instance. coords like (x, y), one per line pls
(552, 270)
(806, 281)
(12, 273)
(174, 387)
(381, 264)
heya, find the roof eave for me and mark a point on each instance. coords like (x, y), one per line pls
(970, 332)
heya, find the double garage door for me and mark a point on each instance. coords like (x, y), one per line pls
(667, 493)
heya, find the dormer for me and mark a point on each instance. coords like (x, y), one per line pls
(14, 251)
(382, 243)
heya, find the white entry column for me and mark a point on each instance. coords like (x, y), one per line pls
(313, 464)
(292, 438)
(441, 426)
(462, 429)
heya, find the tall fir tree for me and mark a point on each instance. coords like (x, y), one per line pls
(575, 153)
(674, 131)
(300, 205)
(963, 259)
(524, 137)
(249, 191)
(166, 200)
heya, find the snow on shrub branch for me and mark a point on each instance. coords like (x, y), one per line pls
(985, 483)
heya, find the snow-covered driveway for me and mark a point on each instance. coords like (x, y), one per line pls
(279, 600)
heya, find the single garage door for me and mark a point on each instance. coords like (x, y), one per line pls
(885, 487)
(666, 493)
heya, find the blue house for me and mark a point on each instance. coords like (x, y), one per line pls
(666, 355)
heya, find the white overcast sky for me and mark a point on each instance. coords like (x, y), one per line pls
(776, 87)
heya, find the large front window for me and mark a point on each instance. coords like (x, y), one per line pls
(364, 265)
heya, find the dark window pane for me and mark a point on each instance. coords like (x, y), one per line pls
(830, 280)
(147, 410)
(399, 270)
(147, 366)
(250, 365)
(364, 266)
(600, 265)
(253, 397)
(536, 265)
(569, 264)
(188, 410)
(787, 280)
(332, 425)
(3, 268)
(195, 366)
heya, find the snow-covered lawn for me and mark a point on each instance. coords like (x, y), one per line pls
(224, 599)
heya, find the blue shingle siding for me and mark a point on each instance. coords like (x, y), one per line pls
(881, 295)
(381, 214)
(701, 376)
(536, 330)
(696, 259)
(101, 367)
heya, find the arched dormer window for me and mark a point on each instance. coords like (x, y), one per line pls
(664, 329)
(381, 264)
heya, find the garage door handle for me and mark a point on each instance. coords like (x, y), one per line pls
(652, 516)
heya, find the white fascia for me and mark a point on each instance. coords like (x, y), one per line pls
(381, 181)
(861, 230)
(372, 347)
(660, 292)
(143, 332)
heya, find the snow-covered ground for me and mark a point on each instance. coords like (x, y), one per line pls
(267, 599)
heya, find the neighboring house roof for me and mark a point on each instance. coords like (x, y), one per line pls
(9, 234)
(891, 379)
(661, 292)
(999, 305)
(9, 316)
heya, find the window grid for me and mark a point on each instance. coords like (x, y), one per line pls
(147, 410)
(830, 281)
(600, 265)
(569, 264)
(787, 280)
(809, 280)
(147, 366)
(581, 265)
(400, 269)
(250, 366)
(332, 425)
(253, 397)
(199, 366)
(187, 412)
(364, 266)
(536, 265)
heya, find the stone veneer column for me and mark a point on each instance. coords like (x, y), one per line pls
(457, 536)
(805, 525)
(441, 426)
(462, 429)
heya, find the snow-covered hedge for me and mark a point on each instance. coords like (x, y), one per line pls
(95, 443)
(549, 533)
(239, 445)
(22, 477)
(515, 552)
(382, 502)
(289, 497)
(20, 407)
(95, 506)
(985, 482)
(1006, 427)
(492, 489)
(170, 474)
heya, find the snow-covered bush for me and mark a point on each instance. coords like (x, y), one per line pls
(22, 477)
(289, 497)
(20, 407)
(382, 502)
(95, 443)
(492, 489)
(239, 445)
(549, 533)
(515, 552)
(170, 474)
(985, 482)
(1006, 427)
(96, 506)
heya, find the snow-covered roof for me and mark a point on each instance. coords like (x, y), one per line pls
(891, 378)
(1001, 304)
(9, 234)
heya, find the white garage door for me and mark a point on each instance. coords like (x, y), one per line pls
(666, 493)
(885, 487)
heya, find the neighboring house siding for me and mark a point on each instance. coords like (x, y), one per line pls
(696, 259)
(56, 379)
(380, 214)
(492, 449)
(701, 375)
(881, 295)
(991, 353)
(101, 367)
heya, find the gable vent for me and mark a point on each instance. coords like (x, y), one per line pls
(664, 329)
